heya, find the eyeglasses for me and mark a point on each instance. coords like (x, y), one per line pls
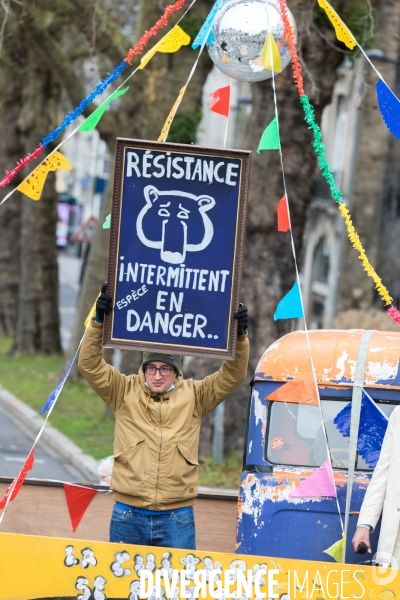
(164, 371)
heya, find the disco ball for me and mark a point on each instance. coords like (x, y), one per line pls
(239, 34)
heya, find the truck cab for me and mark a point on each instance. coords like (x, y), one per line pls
(285, 443)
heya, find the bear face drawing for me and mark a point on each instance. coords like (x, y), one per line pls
(175, 222)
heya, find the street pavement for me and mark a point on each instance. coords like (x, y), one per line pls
(15, 445)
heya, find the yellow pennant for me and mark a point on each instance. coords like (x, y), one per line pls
(343, 34)
(33, 185)
(356, 242)
(172, 42)
(270, 55)
(336, 550)
(91, 313)
(165, 130)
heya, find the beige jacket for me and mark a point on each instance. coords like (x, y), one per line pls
(383, 493)
(157, 436)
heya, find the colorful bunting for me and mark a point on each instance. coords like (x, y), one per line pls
(283, 215)
(342, 32)
(394, 313)
(220, 101)
(14, 487)
(290, 307)
(171, 42)
(336, 550)
(389, 105)
(270, 138)
(270, 55)
(92, 121)
(162, 22)
(324, 165)
(107, 222)
(101, 87)
(373, 425)
(33, 185)
(165, 130)
(78, 499)
(319, 483)
(207, 32)
(301, 390)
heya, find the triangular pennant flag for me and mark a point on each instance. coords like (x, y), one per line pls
(336, 550)
(16, 484)
(319, 483)
(290, 307)
(220, 100)
(283, 215)
(92, 121)
(33, 185)
(91, 313)
(343, 34)
(107, 222)
(206, 31)
(270, 138)
(373, 425)
(57, 390)
(270, 55)
(389, 105)
(171, 42)
(165, 130)
(301, 390)
(78, 499)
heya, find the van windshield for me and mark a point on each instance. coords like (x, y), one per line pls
(295, 435)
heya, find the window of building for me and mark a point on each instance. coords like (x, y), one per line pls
(321, 263)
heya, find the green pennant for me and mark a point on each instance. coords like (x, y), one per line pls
(107, 222)
(92, 121)
(270, 138)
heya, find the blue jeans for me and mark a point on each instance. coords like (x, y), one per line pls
(168, 529)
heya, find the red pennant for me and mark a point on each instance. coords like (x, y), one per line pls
(16, 484)
(283, 215)
(300, 390)
(220, 100)
(78, 499)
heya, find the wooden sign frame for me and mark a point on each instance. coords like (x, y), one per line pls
(219, 180)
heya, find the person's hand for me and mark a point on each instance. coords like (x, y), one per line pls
(103, 304)
(242, 316)
(361, 535)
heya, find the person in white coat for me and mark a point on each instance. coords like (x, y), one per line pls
(383, 498)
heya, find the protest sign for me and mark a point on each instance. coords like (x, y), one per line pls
(176, 246)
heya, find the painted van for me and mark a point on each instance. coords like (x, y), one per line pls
(285, 443)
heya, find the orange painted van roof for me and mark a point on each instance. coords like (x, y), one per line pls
(334, 353)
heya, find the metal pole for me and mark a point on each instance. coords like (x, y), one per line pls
(218, 434)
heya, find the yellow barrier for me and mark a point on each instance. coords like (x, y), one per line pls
(34, 567)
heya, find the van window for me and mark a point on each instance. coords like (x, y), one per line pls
(295, 435)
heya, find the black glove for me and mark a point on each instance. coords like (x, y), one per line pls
(103, 304)
(242, 316)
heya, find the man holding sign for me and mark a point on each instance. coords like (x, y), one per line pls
(157, 427)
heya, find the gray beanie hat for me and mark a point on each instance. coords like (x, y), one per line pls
(169, 359)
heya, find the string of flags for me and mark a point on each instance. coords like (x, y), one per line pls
(101, 87)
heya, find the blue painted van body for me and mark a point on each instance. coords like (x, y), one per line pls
(272, 524)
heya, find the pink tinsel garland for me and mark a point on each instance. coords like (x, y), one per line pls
(20, 165)
(162, 22)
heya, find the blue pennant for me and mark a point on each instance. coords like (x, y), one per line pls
(373, 425)
(57, 390)
(389, 105)
(207, 31)
(290, 307)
